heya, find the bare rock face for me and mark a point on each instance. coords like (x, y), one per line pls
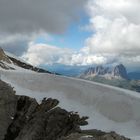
(27, 66)
(3, 56)
(22, 118)
(24, 109)
(7, 107)
(6, 60)
(99, 70)
(119, 71)
(42, 122)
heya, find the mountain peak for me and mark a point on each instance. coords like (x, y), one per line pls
(3, 56)
(119, 71)
(11, 62)
(99, 70)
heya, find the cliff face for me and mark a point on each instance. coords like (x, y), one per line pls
(22, 118)
(7, 107)
(5, 61)
(3, 56)
(44, 121)
(119, 71)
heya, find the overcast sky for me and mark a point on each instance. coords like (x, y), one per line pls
(72, 32)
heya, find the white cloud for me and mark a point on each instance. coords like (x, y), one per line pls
(41, 54)
(38, 54)
(116, 30)
(115, 39)
(23, 20)
(18, 43)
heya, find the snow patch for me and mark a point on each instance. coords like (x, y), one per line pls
(109, 108)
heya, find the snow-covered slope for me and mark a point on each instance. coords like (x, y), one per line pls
(109, 108)
(9, 61)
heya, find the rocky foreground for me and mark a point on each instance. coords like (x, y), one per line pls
(22, 118)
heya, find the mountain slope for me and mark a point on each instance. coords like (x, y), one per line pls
(11, 62)
(120, 71)
(27, 66)
(108, 108)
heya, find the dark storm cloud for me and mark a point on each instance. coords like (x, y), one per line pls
(15, 43)
(20, 20)
(17, 47)
(32, 15)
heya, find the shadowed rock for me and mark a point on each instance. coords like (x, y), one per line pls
(22, 118)
(8, 102)
(25, 119)
(118, 72)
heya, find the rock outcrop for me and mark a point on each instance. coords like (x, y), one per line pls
(45, 121)
(23, 118)
(27, 66)
(8, 102)
(99, 70)
(3, 56)
(5, 61)
(9, 62)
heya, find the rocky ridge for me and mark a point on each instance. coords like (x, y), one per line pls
(4, 57)
(118, 71)
(23, 118)
(9, 63)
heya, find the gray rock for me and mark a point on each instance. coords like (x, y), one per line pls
(22, 118)
(8, 102)
(119, 71)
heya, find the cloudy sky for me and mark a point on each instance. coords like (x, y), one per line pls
(72, 32)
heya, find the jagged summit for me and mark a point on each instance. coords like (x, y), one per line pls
(99, 70)
(3, 56)
(118, 71)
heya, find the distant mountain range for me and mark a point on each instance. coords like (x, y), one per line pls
(115, 76)
(117, 72)
(74, 71)
(67, 70)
